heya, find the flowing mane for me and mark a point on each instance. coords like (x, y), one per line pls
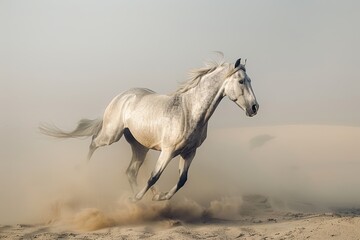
(197, 74)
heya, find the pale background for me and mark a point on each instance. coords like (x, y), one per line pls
(64, 60)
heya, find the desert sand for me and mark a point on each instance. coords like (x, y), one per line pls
(256, 220)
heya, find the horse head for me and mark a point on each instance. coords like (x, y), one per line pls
(238, 89)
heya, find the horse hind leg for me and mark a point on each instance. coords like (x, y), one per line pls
(92, 149)
(105, 137)
(138, 156)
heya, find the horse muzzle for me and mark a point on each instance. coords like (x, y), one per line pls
(253, 110)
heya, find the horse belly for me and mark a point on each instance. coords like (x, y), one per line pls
(162, 133)
(144, 129)
(145, 136)
(152, 123)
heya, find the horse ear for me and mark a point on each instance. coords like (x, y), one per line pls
(237, 63)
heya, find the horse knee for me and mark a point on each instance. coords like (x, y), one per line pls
(100, 141)
(96, 142)
(130, 173)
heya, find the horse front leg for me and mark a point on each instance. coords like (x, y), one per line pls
(184, 164)
(163, 161)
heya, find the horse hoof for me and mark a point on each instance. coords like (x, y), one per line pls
(133, 199)
(154, 190)
(160, 197)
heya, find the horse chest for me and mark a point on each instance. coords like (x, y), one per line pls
(193, 139)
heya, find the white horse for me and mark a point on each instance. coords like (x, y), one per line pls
(175, 124)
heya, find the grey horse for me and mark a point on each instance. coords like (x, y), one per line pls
(175, 124)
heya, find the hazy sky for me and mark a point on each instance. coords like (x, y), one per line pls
(62, 60)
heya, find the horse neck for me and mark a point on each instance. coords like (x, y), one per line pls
(203, 99)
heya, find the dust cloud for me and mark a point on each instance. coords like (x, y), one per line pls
(237, 172)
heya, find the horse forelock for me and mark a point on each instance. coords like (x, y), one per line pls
(236, 69)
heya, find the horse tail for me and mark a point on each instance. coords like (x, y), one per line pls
(85, 128)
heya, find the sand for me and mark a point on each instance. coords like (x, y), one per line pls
(256, 219)
(288, 226)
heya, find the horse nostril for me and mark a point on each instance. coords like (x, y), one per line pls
(254, 108)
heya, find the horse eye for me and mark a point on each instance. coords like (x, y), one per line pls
(241, 81)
